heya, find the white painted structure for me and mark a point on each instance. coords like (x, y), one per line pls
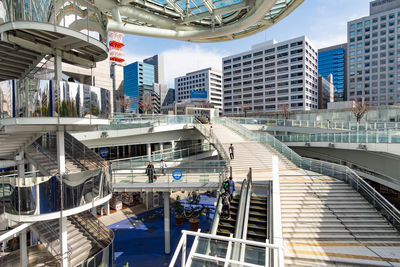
(209, 80)
(271, 74)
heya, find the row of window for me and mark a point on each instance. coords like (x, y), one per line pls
(374, 20)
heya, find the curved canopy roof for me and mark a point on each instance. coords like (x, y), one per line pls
(195, 20)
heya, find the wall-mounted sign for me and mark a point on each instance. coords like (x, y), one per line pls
(198, 95)
(177, 174)
(104, 152)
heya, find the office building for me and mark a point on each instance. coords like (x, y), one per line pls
(326, 91)
(200, 86)
(270, 75)
(332, 60)
(373, 55)
(138, 80)
(158, 62)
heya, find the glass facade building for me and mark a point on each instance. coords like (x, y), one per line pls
(332, 60)
(138, 77)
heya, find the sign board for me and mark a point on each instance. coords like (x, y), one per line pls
(177, 174)
(202, 95)
(104, 152)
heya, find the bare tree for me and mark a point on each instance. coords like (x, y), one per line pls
(245, 108)
(359, 109)
(125, 102)
(284, 109)
(146, 103)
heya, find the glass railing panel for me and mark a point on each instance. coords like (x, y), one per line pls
(254, 255)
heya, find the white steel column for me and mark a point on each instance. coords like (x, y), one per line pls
(60, 152)
(63, 241)
(173, 146)
(167, 240)
(63, 220)
(23, 250)
(148, 151)
(57, 66)
(108, 208)
(162, 149)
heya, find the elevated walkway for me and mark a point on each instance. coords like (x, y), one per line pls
(327, 221)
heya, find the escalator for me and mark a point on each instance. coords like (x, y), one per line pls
(258, 218)
(227, 226)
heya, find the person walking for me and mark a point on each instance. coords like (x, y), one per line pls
(163, 166)
(150, 171)
(226, 205)
(231, 152)
(211, 130)
(231, 187)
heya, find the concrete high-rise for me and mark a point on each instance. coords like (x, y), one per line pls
(373, 56)
(272, 74)
(202, 85)
(332, 60)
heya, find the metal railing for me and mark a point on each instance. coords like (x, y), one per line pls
(53, 246)
(127, 121)
(348, 137)
(334, 125)
(340, 172)
(166, 154)
(212, 138)
(191, 172)
(221, 252)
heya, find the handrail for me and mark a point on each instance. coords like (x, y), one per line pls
(246, 213)
(337, 171)
(347, 137)
(328, 124)
(163, 153)
(48, 155)
(55, 235)
(270, 234)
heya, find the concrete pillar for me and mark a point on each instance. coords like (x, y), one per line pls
(161, 148)
(23, 249)
(108, 208)
(148, 151)
(21, 164)
(60, 152)
(167, 239)
(37, 199)
(57, 67)
(63, 241)
(173, 146)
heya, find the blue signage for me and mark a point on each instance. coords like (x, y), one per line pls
(104, 152)
(198, 94)
(177, 174)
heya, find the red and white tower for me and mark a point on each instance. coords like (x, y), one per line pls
(116, 44)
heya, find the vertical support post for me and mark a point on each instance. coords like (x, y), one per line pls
(60, 152)
(230, 171)
(148, 151)
(172, 146)
(21, 164)
(162, 150)
(37, 199)
(108, 208)
(63, 241)
(183, 255)
(167, 241)
(23, 250)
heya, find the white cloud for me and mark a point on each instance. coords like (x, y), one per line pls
(131, 57)
(188, 58)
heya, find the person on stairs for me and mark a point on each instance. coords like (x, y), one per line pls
(231, 187)
(231, 152)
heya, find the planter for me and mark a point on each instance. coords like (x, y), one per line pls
(179, 219)
(194, 224)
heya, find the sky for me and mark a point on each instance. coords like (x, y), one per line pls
(324, 22)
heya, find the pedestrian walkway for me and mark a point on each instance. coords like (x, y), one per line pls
(325, 221)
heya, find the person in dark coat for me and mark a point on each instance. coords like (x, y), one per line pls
(150, 171)
(231, 187)
(231, 152)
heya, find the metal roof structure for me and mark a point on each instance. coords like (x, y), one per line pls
(194, 20)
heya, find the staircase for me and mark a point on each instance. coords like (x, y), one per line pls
(257, 222)
(227, 226)
(327, 223)
(248, 154)
(80, 244)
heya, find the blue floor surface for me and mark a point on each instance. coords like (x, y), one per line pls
(139, 240)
